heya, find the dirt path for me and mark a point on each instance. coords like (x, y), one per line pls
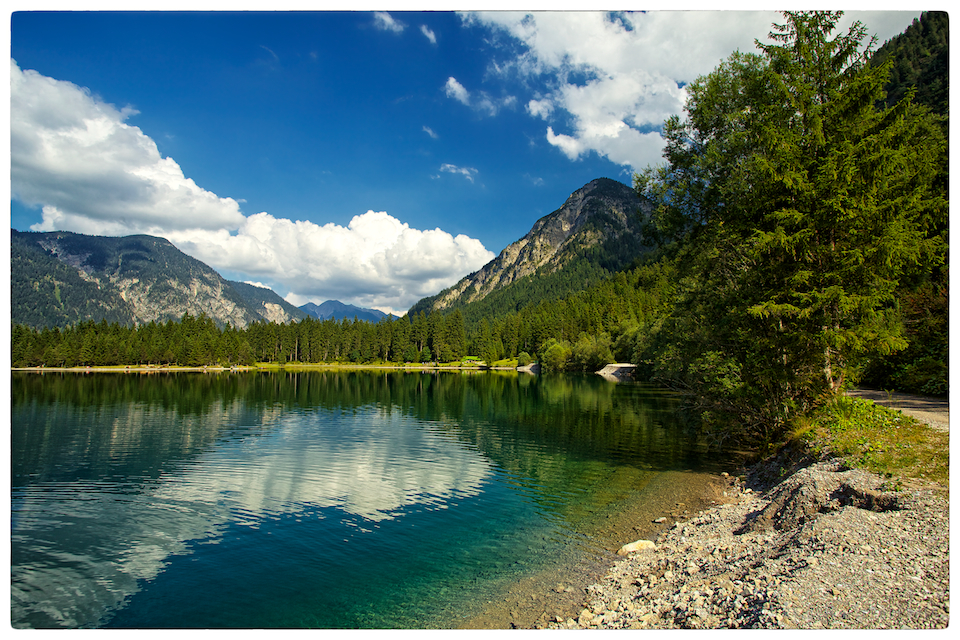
(933, 411)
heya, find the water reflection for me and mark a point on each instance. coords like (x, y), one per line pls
(114, 476)
(81, 545)
(370, 463)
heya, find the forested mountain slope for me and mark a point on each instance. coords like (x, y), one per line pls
(60, 278)
(597, 232)
(45, 292)
(921, 56)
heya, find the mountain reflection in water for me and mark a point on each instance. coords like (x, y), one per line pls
(131, 494)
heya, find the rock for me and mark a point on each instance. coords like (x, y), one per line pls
(617, 371)
(810, 493)
(660, 520)
(639, 545)
(792, 565)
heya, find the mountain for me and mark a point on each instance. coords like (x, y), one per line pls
(61, 278)
(335, 310)
(921, 61)
(45, 292)
(267, 303)
(598, 231)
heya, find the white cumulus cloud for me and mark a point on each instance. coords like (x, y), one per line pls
(384, 21)
(480, 102)
(91, 172)
(467, 172)
(74, 155)
(616, 77)
(456, 91)
(428, 34)
(375, 261)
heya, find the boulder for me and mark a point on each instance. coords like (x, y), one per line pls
(639, 545)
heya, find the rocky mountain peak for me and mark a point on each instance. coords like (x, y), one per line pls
(600, 214)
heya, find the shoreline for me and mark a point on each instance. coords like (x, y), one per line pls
(256, 368)
(824, 548)
(564, 588)
(617, 372)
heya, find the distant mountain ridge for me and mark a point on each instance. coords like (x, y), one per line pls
(597, 231)
(336, 310)
(268, 303)
(61, 278)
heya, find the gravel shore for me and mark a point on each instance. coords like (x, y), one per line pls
(826, 548)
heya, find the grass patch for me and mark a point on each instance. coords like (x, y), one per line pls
(878, 439)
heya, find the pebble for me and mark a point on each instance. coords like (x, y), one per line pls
(781, 558)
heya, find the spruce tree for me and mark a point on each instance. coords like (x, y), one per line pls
(802, 204)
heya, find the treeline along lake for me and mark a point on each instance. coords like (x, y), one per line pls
(604, 318)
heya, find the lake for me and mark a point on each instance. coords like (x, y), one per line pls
(323, 499)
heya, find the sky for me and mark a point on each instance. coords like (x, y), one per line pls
(371, 157)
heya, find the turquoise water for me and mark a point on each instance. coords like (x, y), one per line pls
(291, 500)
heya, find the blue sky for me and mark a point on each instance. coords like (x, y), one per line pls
(373, 158)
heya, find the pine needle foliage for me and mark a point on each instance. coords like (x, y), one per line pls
(801, 204)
